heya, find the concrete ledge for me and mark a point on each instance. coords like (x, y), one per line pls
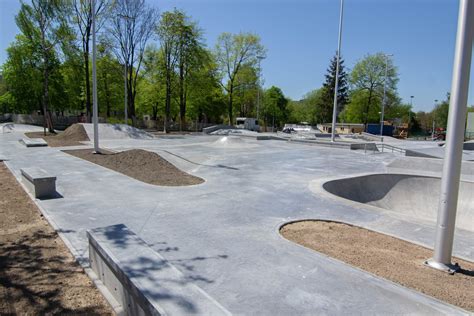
(142, 280)
(336, 144)
(270, 137)
(39, 182)
(210, 129)
(33, 142)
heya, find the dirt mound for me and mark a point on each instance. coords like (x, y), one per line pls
(385, 256)
(72, 136)
(75, 132)
(140, 164)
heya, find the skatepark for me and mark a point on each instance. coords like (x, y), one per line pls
(215, 247)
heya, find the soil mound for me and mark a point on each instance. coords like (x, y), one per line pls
(72, 136)
(142, 165)
(385, 256)
(75, 132)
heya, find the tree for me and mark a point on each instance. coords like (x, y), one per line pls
(274, 106)
(324, 106)
(440, 112)
(369, 75)
(132, 25)
(109, 81)
(183, 54)
(83, 20)
(152, 85)
(246, 93)
(42, 25)
(168, 33)
(233, 51)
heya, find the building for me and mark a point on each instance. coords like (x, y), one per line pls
(342, 128)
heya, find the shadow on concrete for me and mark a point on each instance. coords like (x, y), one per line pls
(54, 196)
(165, 283)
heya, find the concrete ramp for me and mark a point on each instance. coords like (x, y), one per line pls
(411, 195)
(116, 131)
(22, 128)
(234, 142)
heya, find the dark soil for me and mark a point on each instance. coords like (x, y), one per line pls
(388, 257)
(140, 164)
(38, 275)
(72, 136)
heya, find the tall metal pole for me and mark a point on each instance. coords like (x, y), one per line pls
(409, 114)
(448, 199)
(95, 109)
(125, 64)
(384, 100)
(336, 84)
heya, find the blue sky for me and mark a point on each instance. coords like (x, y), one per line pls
(301, 37)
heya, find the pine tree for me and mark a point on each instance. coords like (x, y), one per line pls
(325, 104)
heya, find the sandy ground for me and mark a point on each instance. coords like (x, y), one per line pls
(387, 257)
(72, 136)
(140, 164)
(38, 275)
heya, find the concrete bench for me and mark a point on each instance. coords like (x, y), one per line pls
(33, 142)
(39, 182)
(141, 280)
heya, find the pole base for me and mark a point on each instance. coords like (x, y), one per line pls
(448, 268)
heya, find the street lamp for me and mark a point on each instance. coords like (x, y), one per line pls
(384, 94)
(336, 84)
(259, 58)
(95, 109)
(448, 199)
(126, 18)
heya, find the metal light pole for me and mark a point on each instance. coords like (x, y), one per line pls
(448, 199)
(258, 86)
(384, 100)
(95, 109)
(336, 84)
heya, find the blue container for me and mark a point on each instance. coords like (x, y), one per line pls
(375, 129)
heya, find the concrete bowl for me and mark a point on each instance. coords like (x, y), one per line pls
(412, 195)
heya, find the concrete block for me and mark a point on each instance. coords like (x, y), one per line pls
(142, 280)
(39, 182)
(33, 142)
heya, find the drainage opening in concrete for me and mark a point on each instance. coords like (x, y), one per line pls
(412, 195)
(387, 257)
(145, 166)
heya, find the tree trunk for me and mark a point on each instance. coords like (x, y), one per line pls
(367, 110)
(107, 94)
(182, 98)
(231, 94)
(48, 123)
(167, 102)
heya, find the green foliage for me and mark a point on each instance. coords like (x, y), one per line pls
(370, 75)
(324, 104)
(274, 107)
(235, 52)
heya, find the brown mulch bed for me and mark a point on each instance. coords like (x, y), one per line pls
(388, 257)
(72, 136)
(38, 275)
(140, 164)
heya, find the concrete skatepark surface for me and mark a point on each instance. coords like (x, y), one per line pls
(116, 131)
(223, 235)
